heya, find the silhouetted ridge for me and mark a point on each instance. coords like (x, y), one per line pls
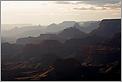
(71, 32)
(69, 55)
(107, 28)
(39, 39)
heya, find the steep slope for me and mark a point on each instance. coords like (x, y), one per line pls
(88, 26)
(107, 28)
(71, 33)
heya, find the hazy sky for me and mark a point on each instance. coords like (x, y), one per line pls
(47, 12)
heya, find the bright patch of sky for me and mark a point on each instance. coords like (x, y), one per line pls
(47, 12)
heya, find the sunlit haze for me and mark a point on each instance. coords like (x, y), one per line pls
(47, 12)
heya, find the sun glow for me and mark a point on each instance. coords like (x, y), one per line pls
(47, 12)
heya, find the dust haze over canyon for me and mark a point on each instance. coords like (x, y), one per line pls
(61, 40)
(68, 51)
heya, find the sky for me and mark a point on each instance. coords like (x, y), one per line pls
(47, 12)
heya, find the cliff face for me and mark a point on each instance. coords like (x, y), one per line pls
(108, 27)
